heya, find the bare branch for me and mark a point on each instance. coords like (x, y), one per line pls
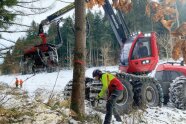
(5, 31)
(21, 13)
(64, 1)
(7, 40)
(33, 10)
(7, 48)
(34, 7)
(2, 98)
(2, 45)
(166, 47)
(5, 101)
(14, 23)
(105, 49)
(32, 1)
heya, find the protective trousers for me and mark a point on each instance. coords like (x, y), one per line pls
(110, 107)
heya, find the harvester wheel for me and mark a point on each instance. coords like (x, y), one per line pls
(177, 93)
(149, 95)
(125, 102)
(68, 88)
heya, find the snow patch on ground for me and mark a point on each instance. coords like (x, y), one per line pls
(45, 82)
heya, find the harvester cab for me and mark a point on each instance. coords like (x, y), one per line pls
(139, 54)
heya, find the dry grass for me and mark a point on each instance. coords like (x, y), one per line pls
(65, 103)
(12, 115)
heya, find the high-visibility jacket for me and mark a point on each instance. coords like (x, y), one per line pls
(21, 81)
(17, 81)
(110, 82)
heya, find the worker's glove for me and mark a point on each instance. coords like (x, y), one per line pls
(97, 97)
(94, 100)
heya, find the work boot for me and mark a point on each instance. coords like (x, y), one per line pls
(118, 118)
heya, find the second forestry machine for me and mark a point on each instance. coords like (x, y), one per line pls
(44, 56)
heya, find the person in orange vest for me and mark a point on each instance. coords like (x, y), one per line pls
(21, 83)
(17, 82)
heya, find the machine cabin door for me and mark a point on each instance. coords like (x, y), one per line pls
(143, 56)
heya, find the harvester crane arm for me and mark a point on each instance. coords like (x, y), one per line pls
(117, 22)
(54, 16)
(51, 18)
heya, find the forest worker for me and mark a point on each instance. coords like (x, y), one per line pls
(21, 83)
(17, 82)
(114, 87)
(143, 51)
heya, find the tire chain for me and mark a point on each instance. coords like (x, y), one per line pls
(136, 81)
(68, 88)
(176, 93)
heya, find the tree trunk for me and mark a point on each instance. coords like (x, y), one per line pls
(70, 56)
(97, 56)
(90, 54)
(67, 58)
(78, 88)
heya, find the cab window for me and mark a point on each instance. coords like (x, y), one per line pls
(142, 48)
(174, 75)
(161, 75)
